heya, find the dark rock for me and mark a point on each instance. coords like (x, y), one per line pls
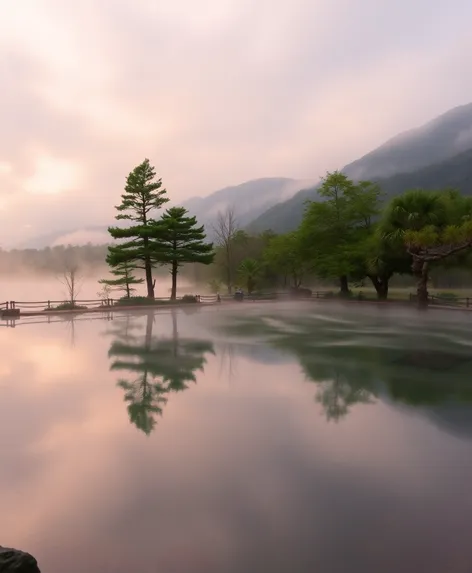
(14, 561)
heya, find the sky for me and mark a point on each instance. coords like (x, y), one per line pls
(214, 93)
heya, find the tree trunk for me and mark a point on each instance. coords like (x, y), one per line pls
(149, 281)
(128, 292)
(148, 269)
(173, 294)
(229, 278)
(420, 272)
(297, 281)
(380, 285)
(343, 285)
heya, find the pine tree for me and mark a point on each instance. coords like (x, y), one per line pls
(125, 278)
(182, 241)
(142, 197)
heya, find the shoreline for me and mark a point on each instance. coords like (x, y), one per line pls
(157, 307)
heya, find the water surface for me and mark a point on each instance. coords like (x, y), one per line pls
(242, 438)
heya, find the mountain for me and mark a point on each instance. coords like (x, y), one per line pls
(440, 139)
(433, 156)
(455, 172)
(248, 199)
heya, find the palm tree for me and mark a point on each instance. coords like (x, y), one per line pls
(413, 212)
(432, 226)
(249, 272)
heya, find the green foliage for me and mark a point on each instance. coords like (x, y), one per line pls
(143, 196)
(334, 231)
(431, 227)
(284, 256)
(449, 296)
(125, 279)
(144, 301)
(189, 298)
(138, 301)
(454, 172)
(66, 306)
(181, 241)
(249, 272)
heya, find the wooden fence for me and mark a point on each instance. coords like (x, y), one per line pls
(36, 307)
(90, 304)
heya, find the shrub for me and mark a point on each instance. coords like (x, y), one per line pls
(259, 295)
(447, 296)
(135, 301)
(189, 298)
(67, 306)
(329, 294)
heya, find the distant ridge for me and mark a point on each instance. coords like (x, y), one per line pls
(433, 156)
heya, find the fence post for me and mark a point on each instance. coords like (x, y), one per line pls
(49, 305)
(467, 302)
(12, 304)
(8, 305)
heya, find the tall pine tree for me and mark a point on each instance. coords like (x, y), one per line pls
(182, 241)
(142, 197)
(125, 278)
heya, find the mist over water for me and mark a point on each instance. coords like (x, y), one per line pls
(29, 288)
(240, 437)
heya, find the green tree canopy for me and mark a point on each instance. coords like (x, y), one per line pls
(124, 278)
(249, 272)
(334, 229)
(284, 256)
(181, 241)
(432, 226)
(143, 196)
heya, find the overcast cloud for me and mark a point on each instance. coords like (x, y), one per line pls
(214, 92)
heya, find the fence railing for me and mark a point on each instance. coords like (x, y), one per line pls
(89, 304)
(109, 303)
(54, 304)
(450, 301)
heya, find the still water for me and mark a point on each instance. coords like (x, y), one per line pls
(281, 438)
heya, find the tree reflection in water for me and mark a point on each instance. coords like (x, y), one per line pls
(161, 365)
(355, 361)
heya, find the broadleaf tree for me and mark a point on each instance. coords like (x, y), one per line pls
(142, 198)
(283, 255)
(182, 240)
(334, 230)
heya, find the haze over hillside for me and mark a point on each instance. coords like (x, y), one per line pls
(234, 91)
(434, 156)
(248, 200)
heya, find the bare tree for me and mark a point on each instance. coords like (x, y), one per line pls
(225, 229)
(71, 279)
